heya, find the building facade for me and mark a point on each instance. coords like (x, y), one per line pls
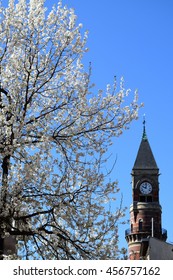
(145, 210)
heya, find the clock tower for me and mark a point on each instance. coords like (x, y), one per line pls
(145, 210)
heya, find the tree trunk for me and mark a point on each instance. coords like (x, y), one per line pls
(3, 202)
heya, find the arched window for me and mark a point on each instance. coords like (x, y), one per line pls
(131, 228)
(140, 224)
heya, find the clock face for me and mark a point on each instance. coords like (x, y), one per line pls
(145, 188)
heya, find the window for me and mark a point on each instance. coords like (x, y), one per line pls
(142, 198)
(131, 228)
(140, 224)
(147, 198)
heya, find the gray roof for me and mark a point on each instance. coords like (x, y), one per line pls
(145, 158)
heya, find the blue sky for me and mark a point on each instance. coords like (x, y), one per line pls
(134, 39)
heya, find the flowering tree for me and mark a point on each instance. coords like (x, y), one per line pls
(54, 133)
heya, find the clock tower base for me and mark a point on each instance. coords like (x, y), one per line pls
(145, 223)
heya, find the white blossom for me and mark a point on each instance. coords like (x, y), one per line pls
(55, 131)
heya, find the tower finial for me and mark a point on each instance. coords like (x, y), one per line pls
(144, 136)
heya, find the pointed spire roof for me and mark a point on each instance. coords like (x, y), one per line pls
(145, 158)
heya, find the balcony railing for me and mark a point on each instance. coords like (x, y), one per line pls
(129, 231)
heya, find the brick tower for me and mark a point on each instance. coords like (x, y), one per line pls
(145, 210)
